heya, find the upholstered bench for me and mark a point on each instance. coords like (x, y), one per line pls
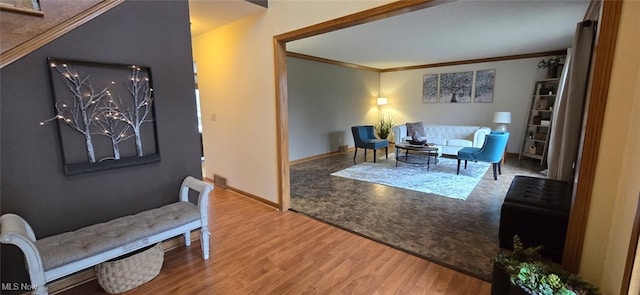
(537, 210)
(57, 256)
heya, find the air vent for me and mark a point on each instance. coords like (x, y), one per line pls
(220, 181)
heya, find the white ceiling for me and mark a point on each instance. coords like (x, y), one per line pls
(460, 30)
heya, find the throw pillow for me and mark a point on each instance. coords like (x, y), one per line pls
(417, 127)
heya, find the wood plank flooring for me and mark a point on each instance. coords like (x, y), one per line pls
(256, 249)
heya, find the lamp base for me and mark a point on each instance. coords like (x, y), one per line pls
(501, 127)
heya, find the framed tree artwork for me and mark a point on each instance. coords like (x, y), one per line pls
(456, 87)
(484, 85)
(430, 88)
(105, 115)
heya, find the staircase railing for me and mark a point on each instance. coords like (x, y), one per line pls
(10, 55)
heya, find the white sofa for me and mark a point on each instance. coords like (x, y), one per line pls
(451, 138)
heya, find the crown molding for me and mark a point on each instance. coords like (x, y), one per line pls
(425, 66)
(331, 61)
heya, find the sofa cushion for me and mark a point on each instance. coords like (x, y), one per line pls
(451, 150)
(417, 127)
(459, 142)
(438, 141)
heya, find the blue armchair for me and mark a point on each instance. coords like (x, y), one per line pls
(364, 138)
(491, 151)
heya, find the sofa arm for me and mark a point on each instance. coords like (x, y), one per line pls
(479, 136)
(399, 132)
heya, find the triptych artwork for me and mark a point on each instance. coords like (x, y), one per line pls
(458, 87)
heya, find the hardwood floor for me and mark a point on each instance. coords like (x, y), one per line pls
(259, 250)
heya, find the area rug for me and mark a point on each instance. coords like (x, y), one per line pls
(441, 179)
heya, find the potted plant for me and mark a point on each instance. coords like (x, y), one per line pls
(522, 271)
(551, 64)
(384, 125)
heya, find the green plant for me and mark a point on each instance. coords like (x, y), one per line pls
(384, 125)
(549, 62)
(526, 269)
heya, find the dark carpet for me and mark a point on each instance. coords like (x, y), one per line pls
(460, 234)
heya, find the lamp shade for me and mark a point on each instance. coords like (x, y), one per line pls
(502, 117)
(382, 101)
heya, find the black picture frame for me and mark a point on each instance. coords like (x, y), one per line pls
(105, 114)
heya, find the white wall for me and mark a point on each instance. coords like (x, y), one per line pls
(512, 93)
(325, 100)
(237, 84)
(615, 191)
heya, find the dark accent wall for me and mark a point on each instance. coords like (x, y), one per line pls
(32, 183)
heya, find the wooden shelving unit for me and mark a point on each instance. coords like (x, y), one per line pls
(538, 128)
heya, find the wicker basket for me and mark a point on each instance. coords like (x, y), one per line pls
(127, 273)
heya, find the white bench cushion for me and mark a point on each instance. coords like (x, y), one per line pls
(88, 241)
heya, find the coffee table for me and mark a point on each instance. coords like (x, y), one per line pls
(429, 151)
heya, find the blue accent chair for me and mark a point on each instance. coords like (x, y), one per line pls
(491, 151)
(364, 138)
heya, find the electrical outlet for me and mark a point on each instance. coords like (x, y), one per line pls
(212, 116)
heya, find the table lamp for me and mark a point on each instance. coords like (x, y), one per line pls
(502, 118)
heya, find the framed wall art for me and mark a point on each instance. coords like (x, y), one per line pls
(456, 87)
(430, 88)
(105, 115)
(485, 80)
